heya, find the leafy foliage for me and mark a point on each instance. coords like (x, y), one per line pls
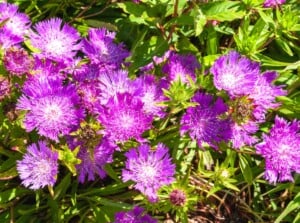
(223, 185)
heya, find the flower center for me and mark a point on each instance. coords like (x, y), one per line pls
(283, 151)
(127, 120)
(55, 45)
(43, 168)
(52, 112)
(147, 172)
(242, 110)
(229, 80)
(177, 197)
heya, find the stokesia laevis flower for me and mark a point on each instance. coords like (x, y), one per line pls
(94, 160)
(55, 40)
(273, 3)
(52, 108)
(251, 94)
(123, 118)
(17, 61)
(235, 74)
(114, 82)
(281, 151)
(150, 170)
(5, 87)
(136, 215)
(14, 25)
(101, 49)
(204, 122)
(150, 92)
(179, 66)
(39, 166)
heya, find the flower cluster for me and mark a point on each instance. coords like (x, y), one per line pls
(81, 101)
(251, 94)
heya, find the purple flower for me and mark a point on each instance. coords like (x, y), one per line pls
(136, 215)
(249, 110)
(150, 92)
(94, 160)
(204, 122)
(8, 39)
(235, 74)
(5, 88)
(150, 170)
(179, 66)
(87, 72)
(273, 3)
(101, 49)
(15, 25)
(265, 92)
(112, 83)
(243, 134)
(39, 166)
(281, 151)
(52, 107)
(17, 61)
(123, 118)
(178, 197)
(55, 40)
(89, 94)
(47, 67)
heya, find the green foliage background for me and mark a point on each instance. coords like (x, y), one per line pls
(223, 186)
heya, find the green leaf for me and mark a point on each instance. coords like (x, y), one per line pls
(223, 10)
(283, 44)
(245, 168)
(9, 174)
(110, 171)
(293, 205)
(199, 21)
(11, 194)
(108, 190)
(62, 187)
(267, 18)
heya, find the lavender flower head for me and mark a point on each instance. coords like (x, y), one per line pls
(112, 83)
(55, 40)
(136, 215)
(249, 110)
(101, 48)
(123, 118)
(150, 170)
(265, 92)
(179, 66)
(150, 92)
(5, 87)
(52, 107)
(243, 134)
(235, 74)
(39, 166)
(89, 96)
(204, 123)
(46, 67)
(94, 160)
(15, 25)
(281, 151)
(17, 61)
(273, 3)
